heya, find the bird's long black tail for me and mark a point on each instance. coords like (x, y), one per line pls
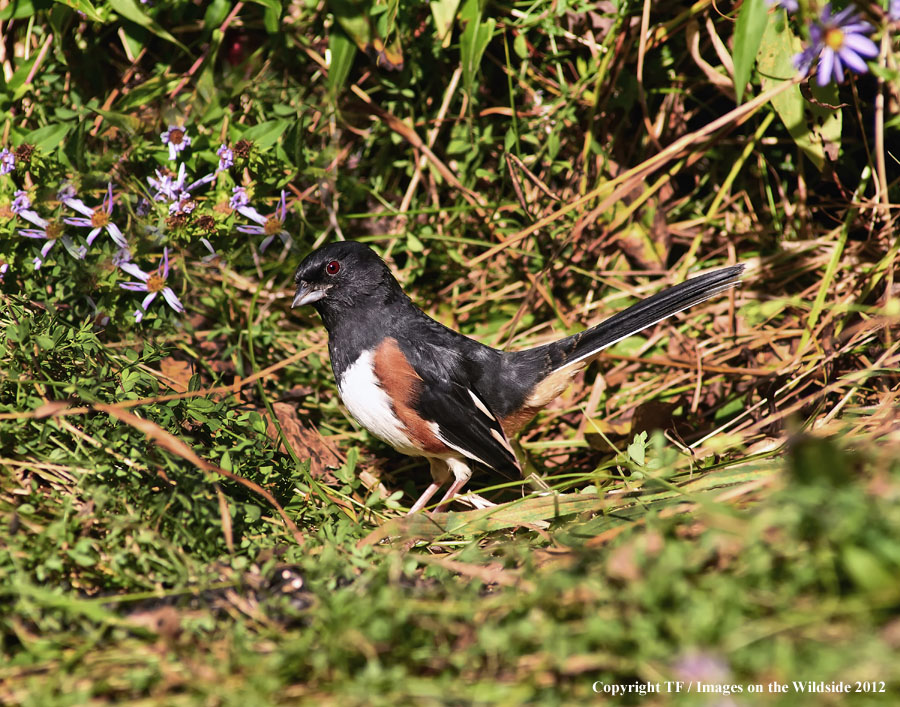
(586, 344)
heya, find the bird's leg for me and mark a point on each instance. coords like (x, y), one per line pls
(463, 473)
(440, 474)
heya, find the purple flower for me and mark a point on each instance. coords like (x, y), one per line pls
(170, 187)
(226, 157)
(50, 231)
(837, 41)
(270, 226)
(177, 139)
(183, 204)
(152, 284)
(788, 5)
(7, 161)
(894, 10)
(66, 191)
(20, 202)
(3, 268)
(121, 256)
(96, 219)
(239, 198)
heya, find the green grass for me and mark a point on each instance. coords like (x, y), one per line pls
(189, 516)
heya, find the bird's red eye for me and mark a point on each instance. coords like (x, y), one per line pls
(333, 268)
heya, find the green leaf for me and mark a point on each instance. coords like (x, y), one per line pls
(443, 12)
(637, 450)
(131, 11)
(474, 40)
(748, 33)
(353, 18)
(49, 137)
(84, 6)
(266, 134)
(343, 51)
(814, 128)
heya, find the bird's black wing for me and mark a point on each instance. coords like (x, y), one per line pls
(448, 397)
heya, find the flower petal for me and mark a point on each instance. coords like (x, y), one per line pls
(826, 67)
(255, 230)
(133, 286)
(172, 299)
(135, 271)
(116, 235)
(92, 235)
(32, 233)
(148, 299)
(79, 206)
(78, 221)
(252, 214)
(266, 242)
(32, 217)
(860, 44)
(853, 61)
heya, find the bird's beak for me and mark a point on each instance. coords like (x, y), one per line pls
(307, 294)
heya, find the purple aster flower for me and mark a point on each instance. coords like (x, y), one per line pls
(66, 191)
(170, 187)
(151, 283)
(7, 161)
(788, 5)
(167, 184)
(20, 202)
(3, 268)
(269, 227)
(97, 219)
(183, 204)
(177, 139)
(226, 157)
(50, 231)
(837, 41)
(894, 10)
(239, 198)
(121, 256)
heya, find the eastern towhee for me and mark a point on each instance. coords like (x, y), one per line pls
(430, 391)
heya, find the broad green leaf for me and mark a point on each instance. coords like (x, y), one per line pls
(49, 137)
(129, 123)
(353, 17)
(131, 11)
(813, 127)
(474, 40)
(748, 32)
(443, 12)
(266, 134)
(84, 6)
(343, 51)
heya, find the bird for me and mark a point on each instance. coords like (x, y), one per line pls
(432, 392)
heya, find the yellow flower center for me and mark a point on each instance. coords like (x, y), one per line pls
(53, 230)
(155, 283)
(834, 38)
(99, 219)
(273, 226)
(176, 136)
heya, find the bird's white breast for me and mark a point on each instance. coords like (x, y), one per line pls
(370, 405)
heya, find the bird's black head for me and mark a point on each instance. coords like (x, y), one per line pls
(342, 277)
